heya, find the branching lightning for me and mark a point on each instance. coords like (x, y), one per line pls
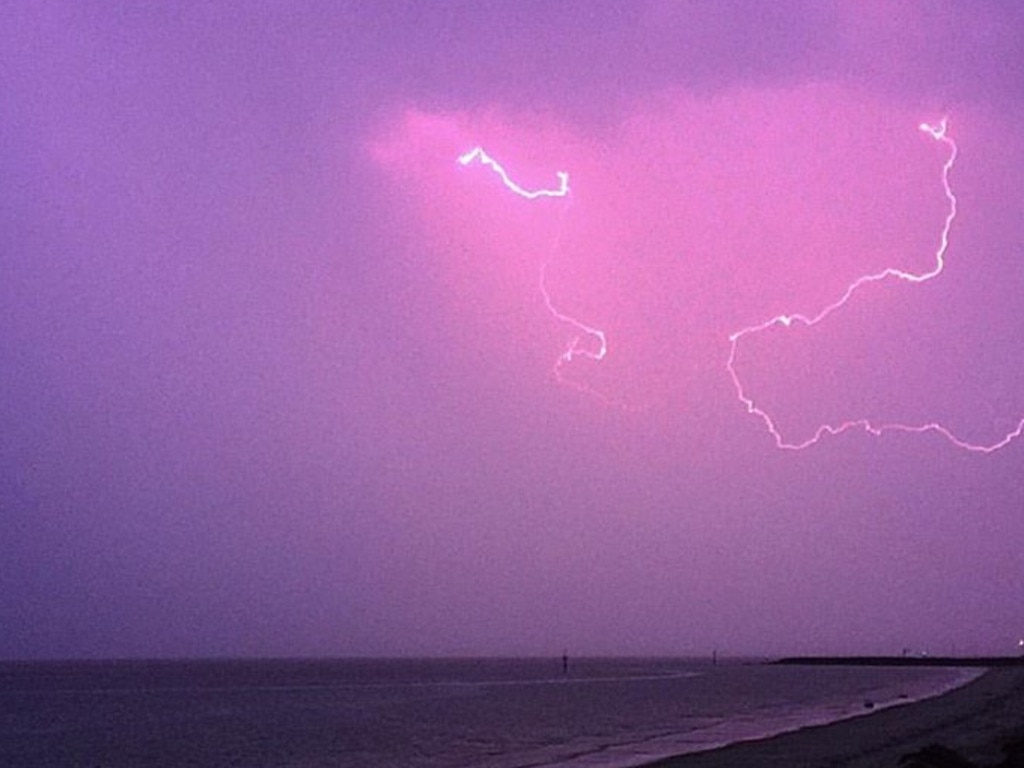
(592, 343)
(589, 342)
(939, 132)
(576, 347)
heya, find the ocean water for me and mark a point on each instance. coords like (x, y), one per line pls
(492, 713)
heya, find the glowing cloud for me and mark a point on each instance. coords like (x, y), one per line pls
(591, 342)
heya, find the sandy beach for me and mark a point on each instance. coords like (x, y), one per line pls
(976, 721)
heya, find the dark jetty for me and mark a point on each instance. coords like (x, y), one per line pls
(905, 661)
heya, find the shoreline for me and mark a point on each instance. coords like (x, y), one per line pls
(985, 662)
(976, 720)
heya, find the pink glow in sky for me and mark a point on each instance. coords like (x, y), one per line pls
(281, 376)
(801, 185)
(939, 132)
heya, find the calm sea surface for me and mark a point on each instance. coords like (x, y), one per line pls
(495, 713)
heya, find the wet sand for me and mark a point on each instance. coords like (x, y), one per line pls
(976, 721)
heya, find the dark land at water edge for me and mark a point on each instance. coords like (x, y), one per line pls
(987, 662)
(979, 725)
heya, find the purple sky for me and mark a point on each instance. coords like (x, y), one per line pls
(277, 373)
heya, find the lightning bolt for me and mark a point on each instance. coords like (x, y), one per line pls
(597, 347)
(938, 132)
(478, 154)
(576, 347)
(589, 342)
